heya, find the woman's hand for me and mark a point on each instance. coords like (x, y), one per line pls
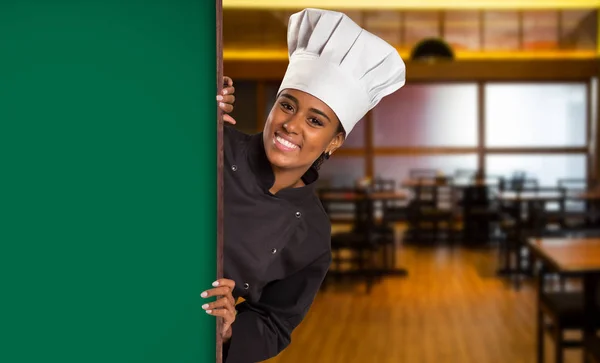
(224, 306)
(226, 99)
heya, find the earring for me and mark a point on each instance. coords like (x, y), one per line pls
(327, 155)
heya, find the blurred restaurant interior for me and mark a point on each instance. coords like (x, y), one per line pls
(464, 210)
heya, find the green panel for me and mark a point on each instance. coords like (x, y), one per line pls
(108, 154)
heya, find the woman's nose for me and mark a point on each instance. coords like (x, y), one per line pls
(292, 125)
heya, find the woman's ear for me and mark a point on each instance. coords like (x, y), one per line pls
(336, 143)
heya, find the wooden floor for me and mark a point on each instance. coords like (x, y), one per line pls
(451, 308)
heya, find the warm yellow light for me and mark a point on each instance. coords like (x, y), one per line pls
(230, 54)
(413, 4)
(598, 37)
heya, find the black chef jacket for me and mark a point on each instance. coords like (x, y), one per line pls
(276, 248)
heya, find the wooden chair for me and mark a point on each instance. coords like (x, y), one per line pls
(562, 307)
(390, 211)
(431, 213)
(524, 217)
(479, 212)
(363, 242)
(574, 206)
(565, 311)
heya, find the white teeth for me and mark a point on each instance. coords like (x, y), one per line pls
(286, 143)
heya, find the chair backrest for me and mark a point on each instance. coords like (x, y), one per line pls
(573, 184)
(415, 174)
(383, 185)
(544, 204)
(574, 187)
(525, 184)
(476, 196)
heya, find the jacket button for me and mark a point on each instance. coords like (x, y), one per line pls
(234, 167)
(274, 251)
(298, 214)
(246, 285)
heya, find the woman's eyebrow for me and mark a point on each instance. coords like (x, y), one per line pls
(295, 100)
(290, 97)
(320, 113)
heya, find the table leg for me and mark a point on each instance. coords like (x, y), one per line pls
(540, 317)
(590, 306)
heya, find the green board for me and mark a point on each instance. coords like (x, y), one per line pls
(108, 180)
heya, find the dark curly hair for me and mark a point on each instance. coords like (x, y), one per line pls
(324, 156)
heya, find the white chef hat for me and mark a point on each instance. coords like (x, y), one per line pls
(343, 65)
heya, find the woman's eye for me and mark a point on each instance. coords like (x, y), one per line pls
(316, 122)
(286, 106)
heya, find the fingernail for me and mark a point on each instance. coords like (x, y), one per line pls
(208, 311)
(205, 306)
(219, 98)
(216, 283)
(222, 104)
(225, 92)
(204, 294)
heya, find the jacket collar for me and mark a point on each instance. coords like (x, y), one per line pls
(261, 167)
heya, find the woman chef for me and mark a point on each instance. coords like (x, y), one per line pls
(277, 235)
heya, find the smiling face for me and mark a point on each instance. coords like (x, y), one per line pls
(300, 127)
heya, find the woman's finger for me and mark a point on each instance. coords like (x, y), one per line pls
(228, 91)
(223, 313)
(227, 100)
(229, 119)
(228, 283)
(224, 282)
(224, 303)
(230, 99)
(218, 291)
(227, 81)
(227, 108)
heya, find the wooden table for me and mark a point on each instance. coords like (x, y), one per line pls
(578, 255)
(574, 255)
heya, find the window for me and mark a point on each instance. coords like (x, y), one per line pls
(545, 115)
(427, 115)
